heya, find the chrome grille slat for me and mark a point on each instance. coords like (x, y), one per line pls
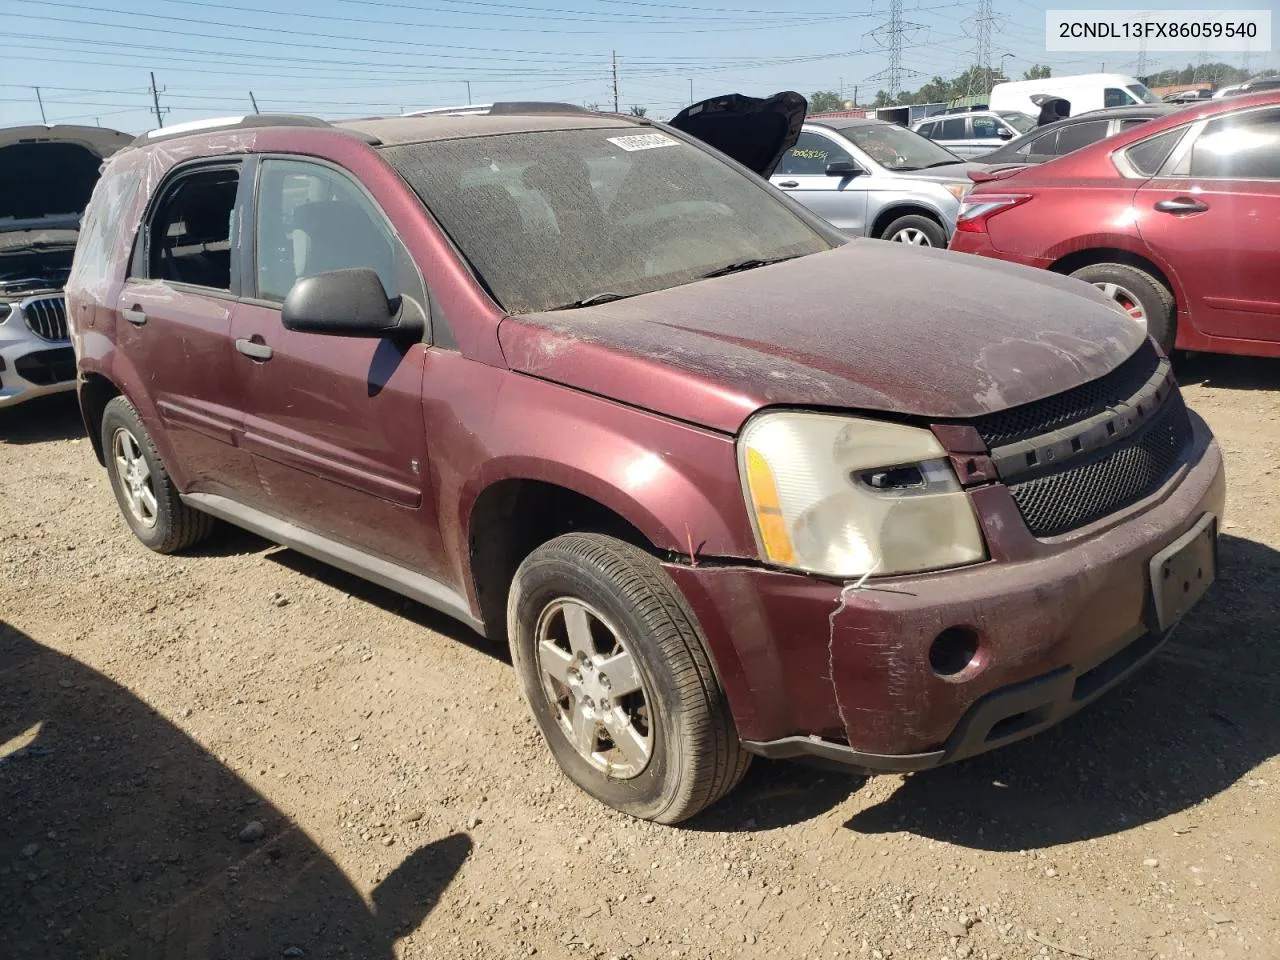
(46, 317)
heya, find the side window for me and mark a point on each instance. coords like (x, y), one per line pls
(926, 130)
(1041, 146)
(1115, 97)
(985, 128)
(189, 234)
(810, 156)
(1132, 122)
(952, 129)
(1079, 135)
(311, 220)
(1148, 156)
(1244, 147)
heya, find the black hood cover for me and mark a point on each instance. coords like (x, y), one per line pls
(1051, 108)
(756, 132)
(100, 141)
(51, 171)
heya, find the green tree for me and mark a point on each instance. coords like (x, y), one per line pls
(1038, 71)
(638, 111)
(825, 101)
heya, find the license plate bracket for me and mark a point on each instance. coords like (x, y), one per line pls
(1182, 572)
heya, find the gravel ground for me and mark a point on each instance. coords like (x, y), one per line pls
(238, 753)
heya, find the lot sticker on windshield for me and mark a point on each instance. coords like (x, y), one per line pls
(646, 141)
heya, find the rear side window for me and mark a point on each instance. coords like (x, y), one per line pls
(1041, 146)
(99, 254)
(1079, 135)
(952, 129)
(189, 235)
(1133, 122)
(1243, 147)
(311, 220)
(1148, 156)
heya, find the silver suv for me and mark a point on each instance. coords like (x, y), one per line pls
(46, 177)
(975, 133)
(877, 179)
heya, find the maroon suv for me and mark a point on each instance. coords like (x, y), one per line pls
(728, 483)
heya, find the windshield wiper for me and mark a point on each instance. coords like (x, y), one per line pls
(607, 297)
(739, 265)
(939, 163)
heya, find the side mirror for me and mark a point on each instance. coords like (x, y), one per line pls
(843, 168)
(349, 303)
(1004, 133)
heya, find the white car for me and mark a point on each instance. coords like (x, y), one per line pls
(46, 176)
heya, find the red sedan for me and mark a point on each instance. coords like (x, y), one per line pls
(1178, 220)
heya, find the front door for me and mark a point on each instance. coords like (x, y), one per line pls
(173, 322)
(1216, 219)
(803, 174)
(335, 424)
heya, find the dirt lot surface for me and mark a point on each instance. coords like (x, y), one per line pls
(238, 753)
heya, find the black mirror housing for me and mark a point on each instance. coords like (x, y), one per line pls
(1004, 134)
(348, 303)
(843, 168)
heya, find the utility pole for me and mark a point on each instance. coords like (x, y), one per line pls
(468, 83)
(691, 89)
(254, 101)
(40, 100)
(155, 99)
(855, 94)
(615, 81)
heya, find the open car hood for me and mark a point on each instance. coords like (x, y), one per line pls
(756, 132)
(100, 141)
(48, 172)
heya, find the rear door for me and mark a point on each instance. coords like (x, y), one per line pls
(803, 174)
(334, 424)
(1214, 214)
(174, 324)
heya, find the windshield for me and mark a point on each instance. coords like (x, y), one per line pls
(897, 148)
(1142, 93)
(1019, 121)
(554, 218)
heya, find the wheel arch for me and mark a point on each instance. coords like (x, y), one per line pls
(95, 391)
(906, 209)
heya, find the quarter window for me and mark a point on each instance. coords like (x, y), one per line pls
(810, 156)
(312, 220)
(1148, 156)
(191, 230)
(1244, 147)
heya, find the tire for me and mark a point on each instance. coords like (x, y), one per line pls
(145, 492)
(1132, 287)
(915, 229)
(679, 713)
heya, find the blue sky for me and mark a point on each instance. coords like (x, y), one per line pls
(92, 58)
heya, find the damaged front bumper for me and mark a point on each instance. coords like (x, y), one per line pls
(813, 668)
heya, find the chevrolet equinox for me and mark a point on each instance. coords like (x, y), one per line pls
(728, 482)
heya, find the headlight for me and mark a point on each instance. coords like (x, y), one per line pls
(958, 190)
(846, 497)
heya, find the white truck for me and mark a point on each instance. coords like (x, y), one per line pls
(1084, 92)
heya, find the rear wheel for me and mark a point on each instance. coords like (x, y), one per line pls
(146, 494)
(1140, 295)
(612, 666)
(917, 230)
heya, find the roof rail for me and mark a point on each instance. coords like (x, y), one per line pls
(508, 108)
(230, 123)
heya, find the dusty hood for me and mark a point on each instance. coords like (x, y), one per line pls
(868, 326)
(952, 172)
(753, 131)
(51, 171)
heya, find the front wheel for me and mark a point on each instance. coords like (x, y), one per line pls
(916, 230)
(612, 666)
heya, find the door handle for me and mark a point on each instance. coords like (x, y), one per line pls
(789, 183)
(256, 351)
(135, 315)
(1182, 205)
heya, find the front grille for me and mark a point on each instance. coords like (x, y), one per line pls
(1080, 403)
(47, 318)
(1119, 477)
(47, 367)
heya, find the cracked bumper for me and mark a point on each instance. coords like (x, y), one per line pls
(1060, 622)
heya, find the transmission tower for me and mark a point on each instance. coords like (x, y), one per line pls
(982, 24)
(891, 35)
(1141, 70)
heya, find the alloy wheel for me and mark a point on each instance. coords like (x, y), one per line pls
(135, 476)
(594, 685)
(1129, 303)
(912, 235)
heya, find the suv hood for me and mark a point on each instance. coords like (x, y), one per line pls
(49, 172)
(755, 132)
(867, 326)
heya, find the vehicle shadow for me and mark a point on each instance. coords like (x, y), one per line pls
(122, 838)
(1193, 722)
(1235, 373)
(55, 417)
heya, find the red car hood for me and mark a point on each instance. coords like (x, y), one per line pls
(868, 326)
